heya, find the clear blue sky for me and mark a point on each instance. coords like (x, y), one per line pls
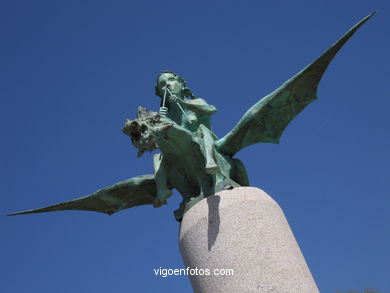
(73, 71)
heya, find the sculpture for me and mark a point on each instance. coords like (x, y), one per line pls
(193, 160)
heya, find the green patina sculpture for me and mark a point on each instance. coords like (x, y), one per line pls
(193, 160)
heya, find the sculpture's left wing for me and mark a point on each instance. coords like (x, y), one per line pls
(268, 118)
(140, 190)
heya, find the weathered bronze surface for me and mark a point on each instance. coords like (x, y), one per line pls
(193, 160)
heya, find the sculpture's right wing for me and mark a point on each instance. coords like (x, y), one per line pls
(140, 190)
(266, 120)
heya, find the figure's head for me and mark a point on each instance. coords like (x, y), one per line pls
(175, 83)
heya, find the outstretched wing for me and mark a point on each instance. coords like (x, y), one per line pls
(132, 192)
(266, 120)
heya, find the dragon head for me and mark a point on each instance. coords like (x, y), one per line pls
(145, 130)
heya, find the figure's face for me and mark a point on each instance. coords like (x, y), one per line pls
(172, 82)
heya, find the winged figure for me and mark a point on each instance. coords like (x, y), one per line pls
(193, 160)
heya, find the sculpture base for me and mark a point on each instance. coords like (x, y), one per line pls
(243, 231)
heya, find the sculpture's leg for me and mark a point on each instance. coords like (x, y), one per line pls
(161, 178)
(209, 147)
(239, 173)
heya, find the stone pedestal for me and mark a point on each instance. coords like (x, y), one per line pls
(245, 230)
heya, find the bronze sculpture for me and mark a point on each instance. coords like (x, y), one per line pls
(193, 160)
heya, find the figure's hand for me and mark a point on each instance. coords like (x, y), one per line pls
(173, 98)
(159, 202)
(163, 111)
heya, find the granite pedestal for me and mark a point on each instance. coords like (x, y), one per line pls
(243, 231)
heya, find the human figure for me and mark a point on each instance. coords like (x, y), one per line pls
(193, 114)
(180, 105)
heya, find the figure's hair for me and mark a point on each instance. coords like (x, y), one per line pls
(186, 91)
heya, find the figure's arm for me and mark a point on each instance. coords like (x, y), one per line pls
(199, 105)
(196, 105)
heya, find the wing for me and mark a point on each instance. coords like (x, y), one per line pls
(266, 120)
(132, 192)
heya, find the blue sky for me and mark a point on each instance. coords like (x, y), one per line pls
(73, 71)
